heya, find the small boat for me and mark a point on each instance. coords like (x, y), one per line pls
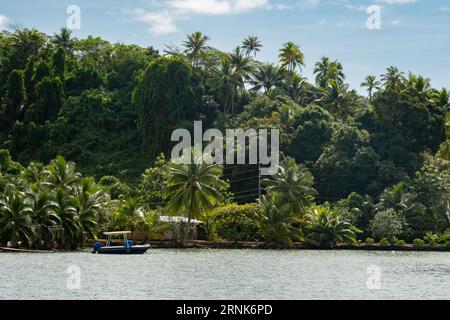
(127, 248)
(7, 249)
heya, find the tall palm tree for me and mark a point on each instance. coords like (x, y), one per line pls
(224, 83)
(251, 45)
(64, 39)
(372, 84)
(196, 46)
(15, 218)
(193, 188)
(420, 87)
(267, 76)
(243, 65)
(393, 78)
(291, 57)
(292, 185)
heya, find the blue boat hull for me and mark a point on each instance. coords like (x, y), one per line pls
(123, 250)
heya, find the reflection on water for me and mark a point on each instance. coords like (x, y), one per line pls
(232, 274)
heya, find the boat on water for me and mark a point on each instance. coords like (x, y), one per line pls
(15, 250)
(128, 246)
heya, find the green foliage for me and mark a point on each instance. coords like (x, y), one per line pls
(235, 222)
(164, 99)
(419, 243)
(385, 242)
(400, 243)
(369, 241)
(388, 224)
(328, 228)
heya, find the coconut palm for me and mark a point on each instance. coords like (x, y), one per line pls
(131, 215)
(64, 39)
(43, 213)
(67, 216)
(251, 45)
(243, 65)
(224, 83)
(335, 97)
(291, 57)
(328, 228)
(292, 185)
(15, 218)
(62, 174)
(277, 222)
(372, 84)
(193, 188)
(442, 99)
(195, 47)
(267, 76)
(393, 78)
(420, 87)
(87, 199)
(326, 70)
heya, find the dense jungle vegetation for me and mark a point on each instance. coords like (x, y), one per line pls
(355, 168)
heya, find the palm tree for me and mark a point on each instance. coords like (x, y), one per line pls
(15, 219)
(267, 76)
(196, 47)
(225, 82)
(62, 174)
(442, 99)
(393, 78)
(251, 45)
(67, 215)
(64, 39)
(291, 57)
(328, 228)
(243, 65)
(326, 70)
(43, 213)
(88, 198)
(335, 97)
(420, 87)
(292, 185)
(277, 222)
(286, 117)
(131, 214)
(193, 188)
(372, 84)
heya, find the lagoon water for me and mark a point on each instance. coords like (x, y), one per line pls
(227, 274)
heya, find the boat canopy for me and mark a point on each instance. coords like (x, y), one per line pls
(117, 233)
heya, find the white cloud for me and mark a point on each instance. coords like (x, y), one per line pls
(3, 21)
(397, 1)
(168, 12)
(160, 22)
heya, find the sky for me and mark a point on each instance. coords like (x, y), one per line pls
(413, 35)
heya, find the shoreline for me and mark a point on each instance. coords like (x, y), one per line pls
(229, 245)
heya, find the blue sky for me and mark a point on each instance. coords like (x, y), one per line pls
(414, 34)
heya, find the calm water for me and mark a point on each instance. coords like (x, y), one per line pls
(220, 274)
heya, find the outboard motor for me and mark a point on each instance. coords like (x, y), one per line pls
(129, 244)
(97, 247)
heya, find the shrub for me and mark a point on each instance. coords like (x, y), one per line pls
(431, 238)
(445, 237)
(235, 222)
(369, 241)
(384, 242)
(400, 243)
(419, 243)
(447, 244)
(388, 224)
